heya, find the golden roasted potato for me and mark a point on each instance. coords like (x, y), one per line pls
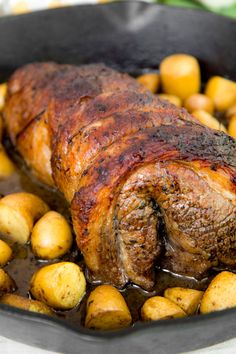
(59, 285)
(7, 284)
(208, 120)
(18, 212)
(199, 101)
(3, 92)
(150, 81)
(1, 127)
(171, 98)
(180, 75)
(222, 91)
(231, 112)
(220, 294)
(107, 309)
(187, 299)
(25, 304)
(160, 308)
(5, 253)
(232, 126)
(6, 165)
(51, 236)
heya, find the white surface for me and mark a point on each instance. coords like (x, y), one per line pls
(8, 346)
(217, 3)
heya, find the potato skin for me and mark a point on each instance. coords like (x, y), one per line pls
(199, 101)
(160, 308)
(187, 299)
(208, 120)
(18, 212)
(171, 98)
(222, 91)
(220, 294)
(150, 81)
(107, 309)
(1, 127)
(232, 126)
(5, 253)
(3, 92)
(25, 304)
(180, 75)
(231, 112)
(7, 167)
(59, 285)
(7, 284)
(51, 236)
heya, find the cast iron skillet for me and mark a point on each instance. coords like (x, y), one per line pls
(129, 36)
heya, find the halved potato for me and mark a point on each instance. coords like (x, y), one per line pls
(220, 294)
(3, 93)
(208, 120)
(232, 126)
(59, 285)
(7, 284)
(150, 80)
(51, 236)
(222, 91)
(7, 167)
(25, 304)
(231, 112)
(5, 253)
(199, 101)
(160, 308)
(1, 127)
(187, 299)
(107, 309)
(171, 98)
(18, 212)
(180, 75)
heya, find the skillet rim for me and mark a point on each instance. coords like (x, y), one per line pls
(103, 335)
(118, 3)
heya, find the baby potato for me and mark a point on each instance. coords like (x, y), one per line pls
(51, 236)
(231, 112)
(1, 127)
(6, 165)
(198, 101)
(232, 126)
(25, 304)
(7, 284)
(187, 299)
(5, 253)
(107, 309)
(171, 98)
(18, 212)
(3, 93)
(208, 120)
(160, 308)
(220, 294)
(222, 91)
(59, 285)
(150, 81)
(180, 75)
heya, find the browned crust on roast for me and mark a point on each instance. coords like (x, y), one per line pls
(99, 127)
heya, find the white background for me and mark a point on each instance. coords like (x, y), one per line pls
(10, 347)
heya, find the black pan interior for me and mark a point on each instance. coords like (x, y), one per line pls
(129, 36)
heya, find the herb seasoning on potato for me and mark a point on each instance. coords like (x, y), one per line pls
(51, 236)
(60, 285)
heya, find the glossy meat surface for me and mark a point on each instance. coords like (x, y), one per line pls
(147, 184)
